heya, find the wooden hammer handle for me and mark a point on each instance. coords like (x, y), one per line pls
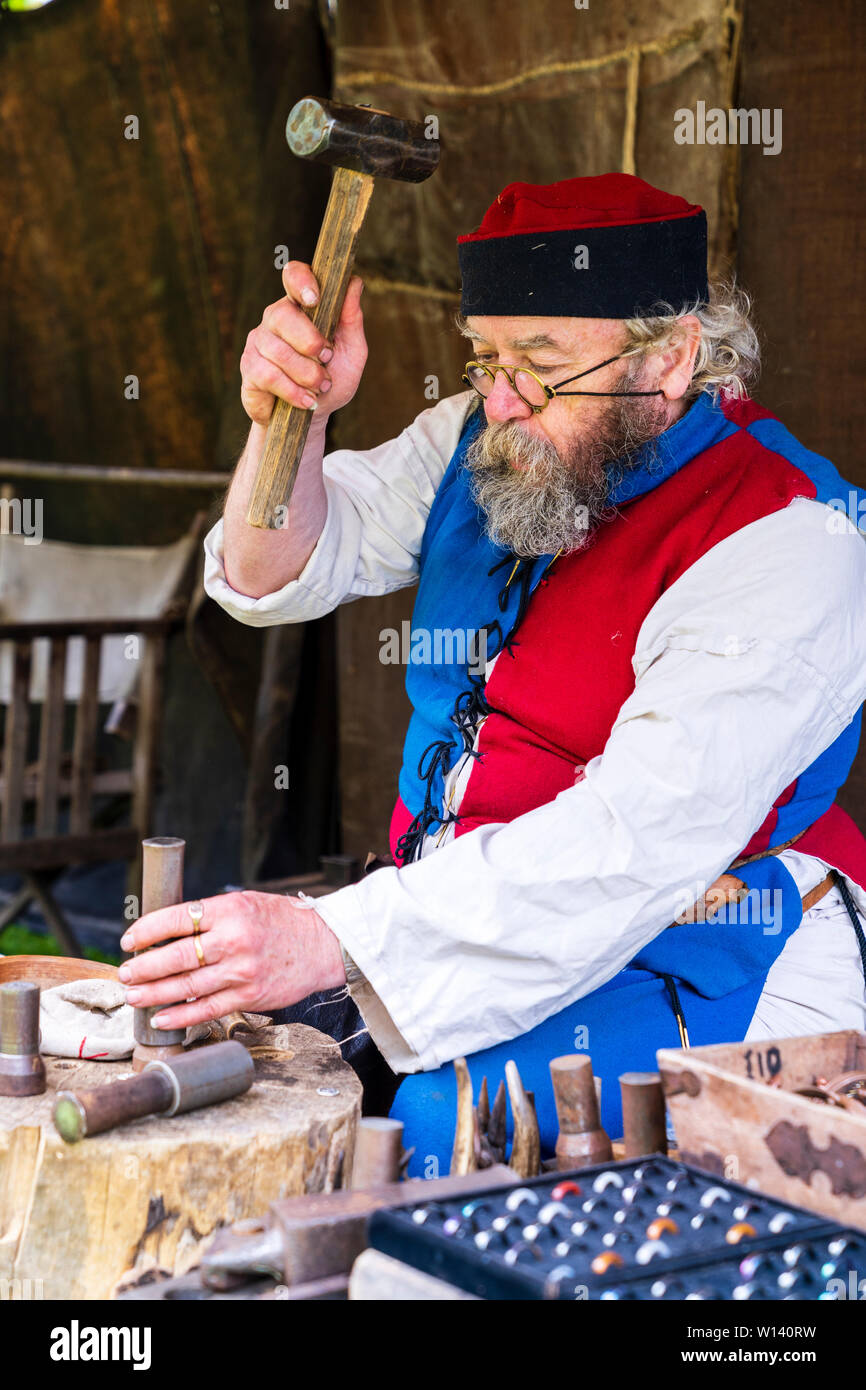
(332, 267)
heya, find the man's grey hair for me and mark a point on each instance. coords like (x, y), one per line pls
(729, 354)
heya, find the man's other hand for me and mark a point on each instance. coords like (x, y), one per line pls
(261, 952)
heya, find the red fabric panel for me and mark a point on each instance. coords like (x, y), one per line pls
(745, 413)
(760, 841)
(836, 839)
(401, 819)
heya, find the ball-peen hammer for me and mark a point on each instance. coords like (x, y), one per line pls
(363, 145)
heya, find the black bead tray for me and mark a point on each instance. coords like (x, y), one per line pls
(630, 1226)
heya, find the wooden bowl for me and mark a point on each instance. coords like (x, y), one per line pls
(47, 971)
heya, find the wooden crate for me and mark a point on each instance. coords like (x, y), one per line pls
(730, 1121)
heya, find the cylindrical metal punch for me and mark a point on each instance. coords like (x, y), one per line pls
(22, 1070)
(643, 1113)
(378, 1151)
(582, 1141)
(161, 886)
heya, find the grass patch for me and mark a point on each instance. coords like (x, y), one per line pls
(16, 940)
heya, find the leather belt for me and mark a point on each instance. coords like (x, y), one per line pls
(730, 889)
(819, 891)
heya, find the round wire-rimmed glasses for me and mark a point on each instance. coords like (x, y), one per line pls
(531, 389)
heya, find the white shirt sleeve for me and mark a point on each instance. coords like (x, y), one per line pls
(747, 668)
(378, 503)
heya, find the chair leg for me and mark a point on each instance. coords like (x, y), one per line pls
(57, 923)
(15, 906)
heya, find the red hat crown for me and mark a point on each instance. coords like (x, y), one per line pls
(606, 200)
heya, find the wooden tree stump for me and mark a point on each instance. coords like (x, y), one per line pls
(140, 1202)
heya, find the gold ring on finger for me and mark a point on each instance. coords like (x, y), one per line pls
(196, 912)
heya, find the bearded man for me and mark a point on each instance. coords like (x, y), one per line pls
(672, 606)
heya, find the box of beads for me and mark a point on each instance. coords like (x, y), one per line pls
(787, 1116)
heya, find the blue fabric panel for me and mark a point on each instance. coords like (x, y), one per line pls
(831, 487)
(817, 786)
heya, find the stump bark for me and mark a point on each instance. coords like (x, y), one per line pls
(139, 1203)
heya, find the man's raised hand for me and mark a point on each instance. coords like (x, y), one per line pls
(287, 356)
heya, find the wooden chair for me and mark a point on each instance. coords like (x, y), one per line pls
(48, 818)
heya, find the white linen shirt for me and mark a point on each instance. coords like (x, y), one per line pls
(746, 669)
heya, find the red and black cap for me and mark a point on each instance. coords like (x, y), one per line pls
(608, 247)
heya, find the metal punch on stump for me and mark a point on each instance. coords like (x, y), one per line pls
(22, 1070)
(161, 886)
(379, 1158)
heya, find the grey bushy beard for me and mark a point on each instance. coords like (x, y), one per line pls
(537, 502)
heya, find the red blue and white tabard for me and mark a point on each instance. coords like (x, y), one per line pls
(565, 632)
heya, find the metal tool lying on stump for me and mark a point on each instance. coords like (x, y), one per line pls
(22, 1070)
(171, 1086)
(363, 144)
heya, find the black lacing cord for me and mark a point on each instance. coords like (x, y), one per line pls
(845, 894)
(524, 579)
(410, 841)
(674, 996)
(469, 708)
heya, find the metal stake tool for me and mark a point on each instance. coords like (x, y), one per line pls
(161, 886)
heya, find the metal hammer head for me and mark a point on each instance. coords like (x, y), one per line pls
(359, 138)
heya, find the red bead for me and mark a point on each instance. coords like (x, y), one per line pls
(563, 1188)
